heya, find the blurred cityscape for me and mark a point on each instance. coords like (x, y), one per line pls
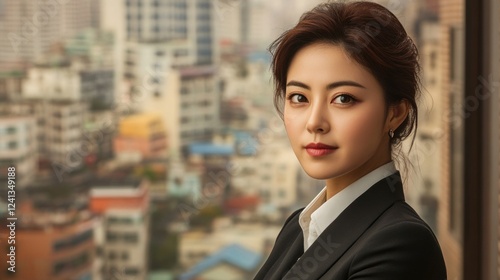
(146, 145)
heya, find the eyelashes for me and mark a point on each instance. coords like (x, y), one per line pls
(341, 99)
(297, 98)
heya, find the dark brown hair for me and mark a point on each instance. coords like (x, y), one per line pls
(372, 36)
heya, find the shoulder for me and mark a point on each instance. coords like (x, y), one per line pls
(399, 243)
(295, 215)
(292, 222)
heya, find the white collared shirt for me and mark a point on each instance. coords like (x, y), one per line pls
(320, 213)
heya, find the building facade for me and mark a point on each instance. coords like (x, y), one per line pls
(452, 62)
(142, 134)
(55, 244)
(61, 78)
(63, 134)
(18, 148)
(122, 235)
(32, 27)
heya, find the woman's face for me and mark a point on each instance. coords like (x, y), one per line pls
(334, 101)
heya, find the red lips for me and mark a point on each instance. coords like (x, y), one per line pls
(319, 149)
(319, 146)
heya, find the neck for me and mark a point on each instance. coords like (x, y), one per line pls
(337, 184)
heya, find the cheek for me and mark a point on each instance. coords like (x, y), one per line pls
(293, 120)
(364, 126)
(291, 126)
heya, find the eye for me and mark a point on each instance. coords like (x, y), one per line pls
(344, 99)
(297, 98)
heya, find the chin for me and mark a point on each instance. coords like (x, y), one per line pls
(321, 174)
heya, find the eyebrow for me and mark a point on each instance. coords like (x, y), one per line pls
(329, 86)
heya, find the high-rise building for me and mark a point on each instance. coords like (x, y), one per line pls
(95, 46)
(148, 21)
(425, 187)
(451, 206)
(166, 51)
(30, 28)
(156, 20)
(187, 99)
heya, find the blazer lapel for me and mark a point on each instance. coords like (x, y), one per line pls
(289, 257)
(347, 228)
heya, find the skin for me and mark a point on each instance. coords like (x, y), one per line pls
(331, 99)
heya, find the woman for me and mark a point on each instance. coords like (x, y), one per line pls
(346, 83)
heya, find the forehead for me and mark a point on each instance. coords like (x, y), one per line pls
(326, 63)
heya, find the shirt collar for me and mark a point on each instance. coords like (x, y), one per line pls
(324, 212)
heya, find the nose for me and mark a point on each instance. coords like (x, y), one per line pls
(318, 122)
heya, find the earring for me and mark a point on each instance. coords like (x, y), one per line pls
(391, 133)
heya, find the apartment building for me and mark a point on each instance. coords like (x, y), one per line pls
(30, 28)
(63, 133)
(18, 148)
(141, 135)
(122, 234)
(60, 77)
(52, 242)
(194, 245)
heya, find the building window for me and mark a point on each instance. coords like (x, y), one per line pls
(72, 241)
(112, 255)
(11, 130)
(131, 271)
(71, 263)
(119, 221)
(456, 54)
(111, 236)
(12, 145)
(99, 252)
(433, 59)
(130, 237)
(281, 193)
(184, 91)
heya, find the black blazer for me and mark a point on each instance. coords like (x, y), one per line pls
(378, 237)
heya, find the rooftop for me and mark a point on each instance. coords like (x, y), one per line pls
(141, 118)
(115, 183)
(211, 149)
(234, 254)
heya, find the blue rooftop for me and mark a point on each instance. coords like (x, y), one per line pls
(246, 144)
(233, 254)
(262, 56)
(211, 149)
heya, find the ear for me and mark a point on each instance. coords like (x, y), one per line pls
(396, 114)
